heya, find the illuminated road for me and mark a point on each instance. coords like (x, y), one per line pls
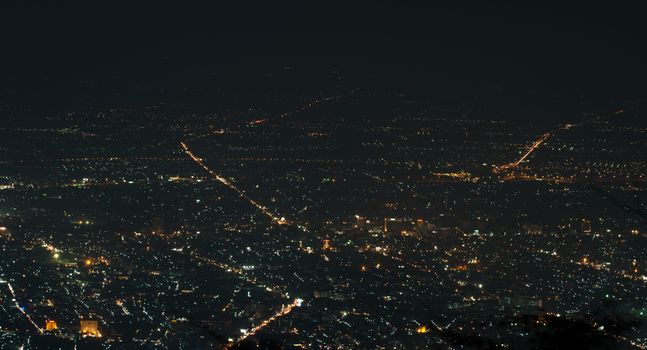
(516, 163)
(592, 265)
(22, 311)
(303, 108)
(286, 309)
(225, 267)
(255, 122)
(277, 290)
(275, 218)
(239, 272)
(398, 258)
(227, 183)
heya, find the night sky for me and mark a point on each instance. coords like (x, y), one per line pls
(573, 54)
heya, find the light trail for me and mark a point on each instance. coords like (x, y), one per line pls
(227, 183)
(375, 177)
(15, 301)
(385, 253)
(591, 265)
(209, 133)
(233, 270)
(516, 163)
(303, 108)
(275, 218)
(256, 122)
(285, 310)
(277, 290)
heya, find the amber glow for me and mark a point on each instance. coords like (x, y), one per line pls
(50, 325)
(532, 148)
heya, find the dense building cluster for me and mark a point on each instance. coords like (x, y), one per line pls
(337, 224)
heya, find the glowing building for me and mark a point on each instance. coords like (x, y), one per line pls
(50, 325)
(90, 327)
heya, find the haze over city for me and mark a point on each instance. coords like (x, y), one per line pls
(457, 176)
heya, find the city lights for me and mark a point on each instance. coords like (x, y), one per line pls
(321, 177)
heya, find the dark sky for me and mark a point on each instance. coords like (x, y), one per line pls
(589, 49)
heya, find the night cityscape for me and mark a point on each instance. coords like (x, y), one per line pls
(456, 176)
